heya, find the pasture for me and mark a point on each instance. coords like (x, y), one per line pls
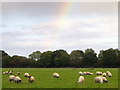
(68, 78)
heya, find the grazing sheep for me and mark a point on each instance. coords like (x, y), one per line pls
(17, 79)
(104, 79)
(91, 74)
(80, 73)
(6, 72)
(18, 73)
(81, 79)
(3, 73)
(56, 75)
(31, 79)
(98, 80)
(26, 74)
(109, 74)
(84, 73)
(99, 73)
(10, 72)
(11, 77)
(104, 74)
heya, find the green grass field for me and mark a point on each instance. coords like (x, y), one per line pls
(68, 78)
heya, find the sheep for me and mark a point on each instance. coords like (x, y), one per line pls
(18, 73)
(11, 77)
(3, 73)
(10, 72)
(81, 79)
(98, 80)
(31, 79)
(104, 74)
(80, 73)
(104, 79)
(91, 74)
(6, 72)
(84, 73)
(17, 79)
(26, 74)
(56, 75)
(99, 73)
(109, 74)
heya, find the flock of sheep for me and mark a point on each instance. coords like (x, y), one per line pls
(16, 77)
(98, 79)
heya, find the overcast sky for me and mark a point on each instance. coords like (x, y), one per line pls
(43, 26)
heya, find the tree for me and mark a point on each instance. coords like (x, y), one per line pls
(109, 57)
(90, 58)
(46, 59)
(61, 58)
(76, 58)
(35, 55)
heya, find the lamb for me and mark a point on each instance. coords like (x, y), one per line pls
(31, 79)
(56, 75)
(17, 79)
(99, 73)
(104, 74)
(80, 73)
(26, 74)
(81, 79)
(11, 77)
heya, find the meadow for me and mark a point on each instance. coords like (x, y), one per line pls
(68, 78)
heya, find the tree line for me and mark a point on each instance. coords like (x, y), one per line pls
(109, 58)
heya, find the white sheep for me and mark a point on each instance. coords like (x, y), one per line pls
(3, 73)
(84, 73)
(10, 72)
(11, 78)
(99, 73)
(6, 72)
(104, 79)
(98, 80)
(26, 74)
(56, 75)
(18, 73)
(80, 73)
(104, 74)
(81, 79)
(109, 74)
(31, 79)
(17, 79)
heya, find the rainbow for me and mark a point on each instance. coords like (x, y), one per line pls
(63, 13)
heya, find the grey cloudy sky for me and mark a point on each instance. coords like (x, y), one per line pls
(31, 26)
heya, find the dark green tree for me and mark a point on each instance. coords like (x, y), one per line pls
(76, 58)
(90, 58)
(61, 58)
(35, 55)
(46, 59)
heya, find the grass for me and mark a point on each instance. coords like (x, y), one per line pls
(68, 78)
